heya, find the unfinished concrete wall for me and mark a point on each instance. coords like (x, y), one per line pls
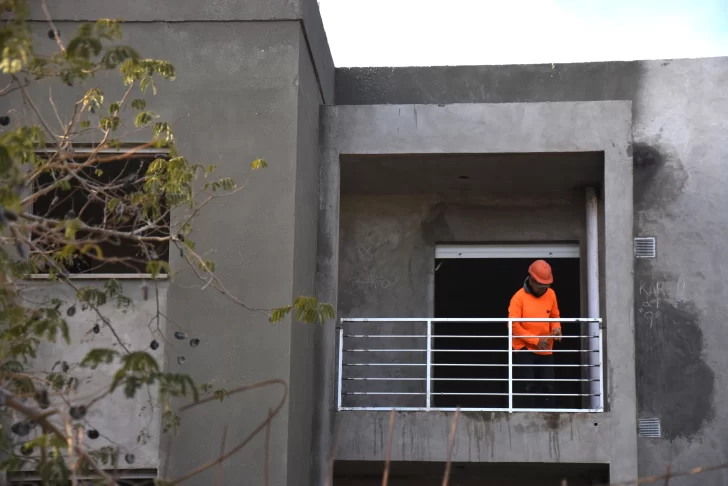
(393, 238)
(472, 128)
(136, 326)
(250, 78)
(679, 112)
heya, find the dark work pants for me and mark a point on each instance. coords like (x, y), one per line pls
(540, 379)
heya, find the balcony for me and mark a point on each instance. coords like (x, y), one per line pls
(442, 364)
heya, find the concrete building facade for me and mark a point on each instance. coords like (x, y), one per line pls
(370, 171)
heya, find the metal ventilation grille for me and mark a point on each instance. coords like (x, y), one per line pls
(650, 427)
(644, 247)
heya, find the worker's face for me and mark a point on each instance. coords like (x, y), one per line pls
(538, 288)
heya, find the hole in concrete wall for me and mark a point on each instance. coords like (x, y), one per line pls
(483, 287)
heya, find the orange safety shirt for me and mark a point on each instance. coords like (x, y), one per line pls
(526, 305)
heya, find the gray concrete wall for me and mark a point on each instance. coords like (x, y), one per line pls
(392, 239)
(250, 79)
(136, 326)
(304, 12)
(678, 109)
(470, 128)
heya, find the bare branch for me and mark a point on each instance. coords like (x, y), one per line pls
(451, 446)
(388, 458)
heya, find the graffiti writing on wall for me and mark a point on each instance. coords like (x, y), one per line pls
(652, 292)
(369, 282)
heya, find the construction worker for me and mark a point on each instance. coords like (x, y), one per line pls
(534, 300)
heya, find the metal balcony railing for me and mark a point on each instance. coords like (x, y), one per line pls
(448, 363)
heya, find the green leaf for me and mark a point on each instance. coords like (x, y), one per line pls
(163, 130)
(259, 164)
(110, 123)
(143, 119)
(139, 104)
(95, 357)
(6, 162)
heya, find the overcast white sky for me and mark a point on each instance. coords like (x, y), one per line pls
(457, 32)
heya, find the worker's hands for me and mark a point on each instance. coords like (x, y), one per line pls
(543, 344)
(557, 332)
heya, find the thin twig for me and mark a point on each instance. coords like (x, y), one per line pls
(451, 446)
(385, 476)
(266, 472)
(222, 451)
(245, 441)
(50, 22)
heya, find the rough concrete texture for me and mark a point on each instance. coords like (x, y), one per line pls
(139, 431)
(242, 91)
(679, 111)
(306, 12)
(387, 243)
(471, 128)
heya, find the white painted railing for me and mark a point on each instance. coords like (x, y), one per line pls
(394, 363)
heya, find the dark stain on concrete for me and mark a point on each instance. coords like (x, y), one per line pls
(435, 227)
(552, 420)
(485, 416)
(659, 175)
(673, 381)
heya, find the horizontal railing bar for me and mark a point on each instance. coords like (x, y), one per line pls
(556, 394)
(475, 365)
(570, 336)
(385, 335)
(385, 364)
(382, 393)
(385, 379)
(452, 409)
(519, 365)
(466, 319)
(437, 336)
(388, 350)
(385, 350)
(469, 379)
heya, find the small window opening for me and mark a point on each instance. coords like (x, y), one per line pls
(100, 198)
(128, 477)
(482, 288)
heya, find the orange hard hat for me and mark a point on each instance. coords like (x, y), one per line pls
(540, 271)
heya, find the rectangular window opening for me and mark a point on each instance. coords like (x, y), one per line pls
(97, 199)
(479, 282)
(123, 477)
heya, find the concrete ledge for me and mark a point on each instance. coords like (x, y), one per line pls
(480, 437)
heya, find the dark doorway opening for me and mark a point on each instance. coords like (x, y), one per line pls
(369, 473)
(482, 288)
